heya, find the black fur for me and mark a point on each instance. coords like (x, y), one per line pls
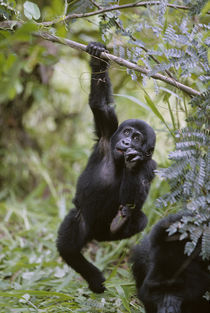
(167, 280)
(117, 177)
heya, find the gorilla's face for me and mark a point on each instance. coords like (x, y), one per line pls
(133, 142)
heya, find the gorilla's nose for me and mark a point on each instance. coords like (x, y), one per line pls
(126, 142)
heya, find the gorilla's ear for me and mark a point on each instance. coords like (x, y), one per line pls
(149, 152)
(149, 142)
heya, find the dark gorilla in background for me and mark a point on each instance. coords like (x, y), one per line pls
(167, 280)
(115, 183)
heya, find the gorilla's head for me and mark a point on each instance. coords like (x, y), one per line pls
(134, 141)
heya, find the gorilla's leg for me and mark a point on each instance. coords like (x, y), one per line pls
(73, 234)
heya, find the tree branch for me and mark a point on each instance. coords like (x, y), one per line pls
(120, 61)
(113, 8)
(107, 56)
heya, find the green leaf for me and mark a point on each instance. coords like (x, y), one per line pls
(31, 10)
(171, 115)
(205, 9)
(135, 100)
(155, 110)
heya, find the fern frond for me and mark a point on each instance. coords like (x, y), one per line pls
(182, 154)
(205, 252)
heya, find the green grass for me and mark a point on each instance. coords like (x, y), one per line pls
(33, 278)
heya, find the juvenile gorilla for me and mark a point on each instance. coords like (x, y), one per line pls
(167, 280)
(115, 183)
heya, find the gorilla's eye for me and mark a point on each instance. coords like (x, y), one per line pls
(127, 132)
(136, 137)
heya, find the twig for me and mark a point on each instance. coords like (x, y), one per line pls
(113, 8)
(66, 7)
(96, 5)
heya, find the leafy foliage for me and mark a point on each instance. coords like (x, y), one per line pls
(185, 47)
(189, 174)
(196, 5)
